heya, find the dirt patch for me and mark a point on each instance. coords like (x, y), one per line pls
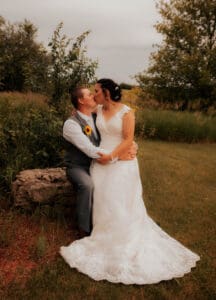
(21, 251)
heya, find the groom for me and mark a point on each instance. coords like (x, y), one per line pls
(82, 140)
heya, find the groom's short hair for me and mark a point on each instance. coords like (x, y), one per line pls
(76, 94)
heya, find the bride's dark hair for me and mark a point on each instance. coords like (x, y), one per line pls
(112, 87)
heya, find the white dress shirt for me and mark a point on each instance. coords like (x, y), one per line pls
(73, 133)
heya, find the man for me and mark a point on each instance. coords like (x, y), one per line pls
(82, 145)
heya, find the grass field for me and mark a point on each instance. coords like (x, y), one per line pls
(179, 192)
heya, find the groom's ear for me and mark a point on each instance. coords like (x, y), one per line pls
(81, 100)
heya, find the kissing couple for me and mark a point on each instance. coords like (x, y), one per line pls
(122, 243)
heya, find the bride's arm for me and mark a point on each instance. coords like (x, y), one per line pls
(128, 128)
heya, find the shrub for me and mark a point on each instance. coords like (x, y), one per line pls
(30, 137)
(126, 86)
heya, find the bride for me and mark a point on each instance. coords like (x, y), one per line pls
(125, 245)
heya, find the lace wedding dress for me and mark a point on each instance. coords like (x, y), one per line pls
(126, 245)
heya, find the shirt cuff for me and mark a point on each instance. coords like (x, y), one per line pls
(114, 160)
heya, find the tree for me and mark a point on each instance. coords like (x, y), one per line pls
(184, 67)
(23, 62)
(70, 66)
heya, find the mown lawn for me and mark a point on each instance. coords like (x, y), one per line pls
(179, 191)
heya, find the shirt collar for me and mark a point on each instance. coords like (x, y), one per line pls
(83, 116)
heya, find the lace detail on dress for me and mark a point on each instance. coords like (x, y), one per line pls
(124, 110)
(126, 245)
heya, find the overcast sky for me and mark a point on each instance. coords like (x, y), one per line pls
(122, 33)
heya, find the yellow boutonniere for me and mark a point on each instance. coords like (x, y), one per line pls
(87, 130)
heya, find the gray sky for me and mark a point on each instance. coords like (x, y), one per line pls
(122, 32)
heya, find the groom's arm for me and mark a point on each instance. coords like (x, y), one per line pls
(128, 155)
(73, 133)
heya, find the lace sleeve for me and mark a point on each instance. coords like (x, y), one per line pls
(124, 110)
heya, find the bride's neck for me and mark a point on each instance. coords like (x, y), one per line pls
(110, 105)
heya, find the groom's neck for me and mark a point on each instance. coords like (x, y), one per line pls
(84, 111)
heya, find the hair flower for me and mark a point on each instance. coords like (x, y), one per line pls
(87, 130)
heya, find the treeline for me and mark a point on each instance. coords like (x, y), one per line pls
(183, 69)
(26, 65)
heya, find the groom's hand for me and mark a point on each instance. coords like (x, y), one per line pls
(131, 153)
(104, 158)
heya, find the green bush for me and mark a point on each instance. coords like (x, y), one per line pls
(30, 137)
(175, 126)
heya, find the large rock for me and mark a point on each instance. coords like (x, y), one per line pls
(42, 186)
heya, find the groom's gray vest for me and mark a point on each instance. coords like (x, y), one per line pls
(74, 156)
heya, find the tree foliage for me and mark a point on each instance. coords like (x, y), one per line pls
(26, 65)
(23, 61)
(184, 67)
(70, 66)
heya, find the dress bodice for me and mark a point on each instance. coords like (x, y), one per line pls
(111, 129)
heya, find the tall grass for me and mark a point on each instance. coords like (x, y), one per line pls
(175, 126)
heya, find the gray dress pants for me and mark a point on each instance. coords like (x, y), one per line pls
(79, 176)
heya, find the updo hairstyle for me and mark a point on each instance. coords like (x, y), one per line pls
(112, 87)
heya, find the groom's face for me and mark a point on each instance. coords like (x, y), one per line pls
(87, 100)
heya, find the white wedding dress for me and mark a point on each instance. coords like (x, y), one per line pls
(126, 245)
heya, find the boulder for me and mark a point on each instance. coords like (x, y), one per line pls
(42, 186)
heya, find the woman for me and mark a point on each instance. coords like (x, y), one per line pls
(126, 245)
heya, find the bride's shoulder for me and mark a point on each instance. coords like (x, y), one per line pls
(127, 114)
(125, 109)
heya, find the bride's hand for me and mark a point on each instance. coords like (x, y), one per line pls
(104, 158)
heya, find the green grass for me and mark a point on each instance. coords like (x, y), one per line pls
(179, 193)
